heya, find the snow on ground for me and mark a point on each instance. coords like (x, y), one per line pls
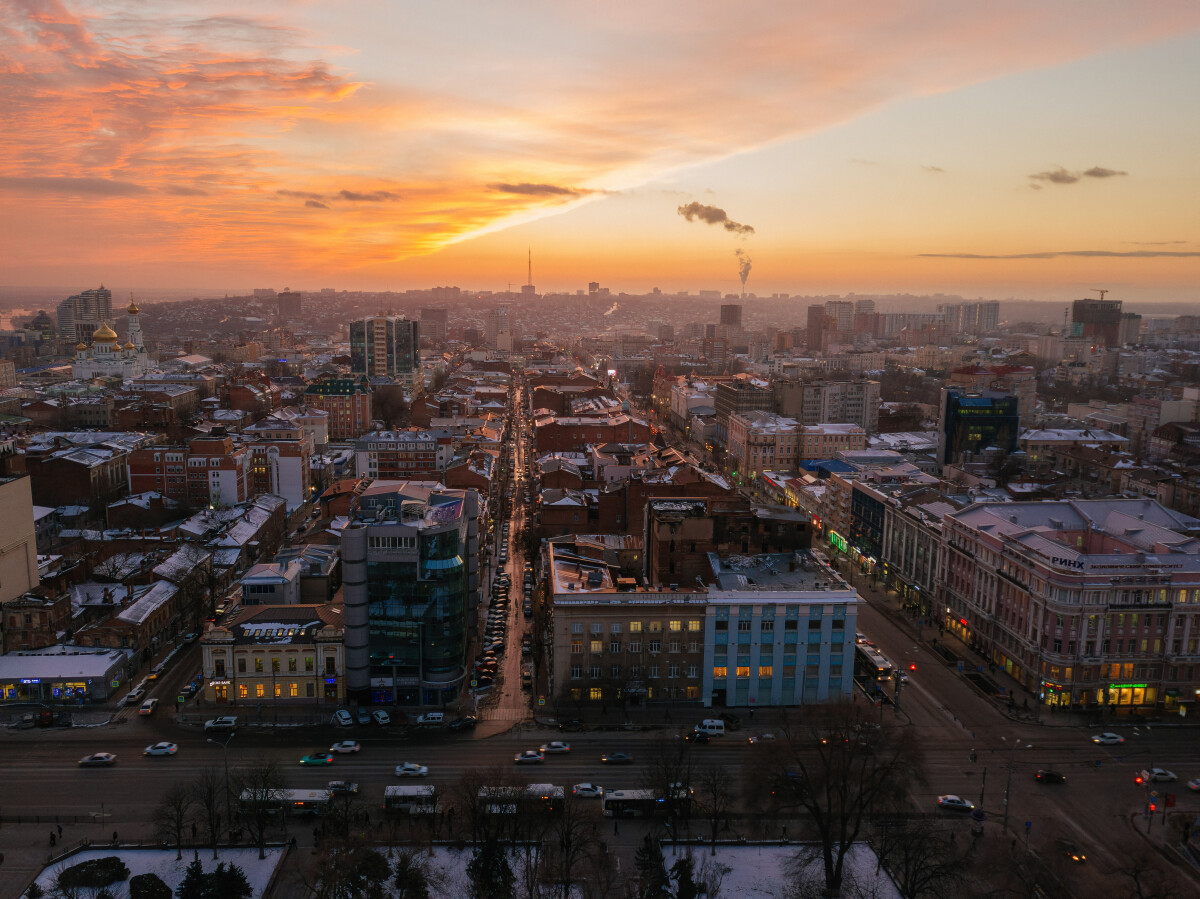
(162, 862)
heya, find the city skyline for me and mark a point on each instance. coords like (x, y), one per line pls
(1018, 151)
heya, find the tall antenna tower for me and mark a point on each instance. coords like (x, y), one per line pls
(529, 280)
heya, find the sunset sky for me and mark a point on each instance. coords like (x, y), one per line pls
(1028, 149)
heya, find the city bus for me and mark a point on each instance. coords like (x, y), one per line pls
(633, 804)
(286, 802)
(505, 800)
(411, 800)
(871, 667)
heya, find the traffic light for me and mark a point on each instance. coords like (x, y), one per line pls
(1153, 805)
(1137, 779)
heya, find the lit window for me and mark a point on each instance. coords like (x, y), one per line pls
(576, 646)
(720, 671)
(595, 693)
(258, 665)
(597, 646)
(243, 691)
(694, 625)
(293, 689)
(743, 671)
(260, 690)
(675, 625)
(764, 670)
(635, 627)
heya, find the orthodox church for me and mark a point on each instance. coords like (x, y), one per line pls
(107, 358)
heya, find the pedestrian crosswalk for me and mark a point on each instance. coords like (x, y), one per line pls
(503, 714)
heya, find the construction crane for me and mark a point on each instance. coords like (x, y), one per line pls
(1100, 291)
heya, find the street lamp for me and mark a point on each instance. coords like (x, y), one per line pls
(225, 751)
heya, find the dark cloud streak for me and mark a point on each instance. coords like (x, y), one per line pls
(96, 186)
(1059, 175)
(375, 196)
(315, 204)
(1054, 254)
(529, 189)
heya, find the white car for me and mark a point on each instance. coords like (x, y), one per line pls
(161, 749)
(1194, 785)
(588, 791)
(345, 746)
(343, 717)
(1156, 775)
(380, 717)
(411, 769)
(1108, 739)
(528, 757)
(761, 738)
(554, 746)
(955, 803)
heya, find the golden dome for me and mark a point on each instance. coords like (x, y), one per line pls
(133, 309)
(104, 334)
(129, 346)
(80, 347)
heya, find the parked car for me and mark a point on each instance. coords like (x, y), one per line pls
(380, 717)
(954, 803)
(98, 760)
(411, 769)
(466, 722)
(345, 746)
(732, 721)
(432, 718)
(224, 724)
(160, 749)
(343, 717)
(362, 715)
(697, 736)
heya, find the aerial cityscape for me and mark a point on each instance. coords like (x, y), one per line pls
(429, 437)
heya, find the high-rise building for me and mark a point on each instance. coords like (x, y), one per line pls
(385, 347)
(79, 316)
(819, 402)
(816, 326)
(435, 322)
(290, 304)
(410, 561)
(731, 315)
(496, 322)
(971, 423)
(1098, 320)
(864, 307)
(842, 313)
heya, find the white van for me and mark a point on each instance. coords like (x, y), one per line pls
(432, 718)
(714, 727)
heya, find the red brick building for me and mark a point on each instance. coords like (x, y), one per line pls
(348, 403)
(209, 470)
(561, 434)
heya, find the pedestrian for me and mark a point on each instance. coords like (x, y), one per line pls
(52, 838)
(293, 844)
(60, 831)
(114, 838)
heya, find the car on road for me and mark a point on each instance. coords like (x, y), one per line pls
(342, 788)
(617, 758)
(587, 791)
(1194, 785)
(1046, 776)
(98, 760)
(432, 718)
(529, 757)
(953, 803)
(224, 724)
(163, 748)
(345, 746)
(411, 769)
(343, 717)
(190, 638)
(464, 722)
(1156, 775)
(1108, 739)
(554, 746)
(380, 717)
(317, 758)
(134, 696)
(732, 721)
(570, 724)
(760, 738)
(697, 736)
(1070, 850)
(148, 707)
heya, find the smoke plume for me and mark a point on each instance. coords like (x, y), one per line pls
(744, 264)
(712, 215)
(612, 310)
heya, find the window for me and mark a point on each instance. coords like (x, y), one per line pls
(308, 663)
(693, 671)
(258, 665)
(260, 690)
(743, 671)
(764, 670)
(594, 672)
(672, 671)
(635, 627)
(278, 690)
(596, 646)
(577, 627)
(243, 691)
(744, 626)
(616, 671)
(614, 646)
(310, 690)
(674, 646)
(655, 627)
(330, 665)
(576, 672)
(694, 626)
(722, 625)
(241, 666)
(655, 646)
(576, 646)
(615, 627)
(635, 645)
(274, 664)
(693, 646)
(653, 673)
(635, 671)
(292, 663)
(767, 626)
(595, 693)
(675, 626)
(597, 627)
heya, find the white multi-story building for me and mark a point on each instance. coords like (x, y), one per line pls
(1086, 603)
(762, 441)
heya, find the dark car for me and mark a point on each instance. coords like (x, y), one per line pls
(570, 724)
(466, 722)
(617, 758)
(1070, 850)
(732, 722)
(1050, 777)
(696, 736)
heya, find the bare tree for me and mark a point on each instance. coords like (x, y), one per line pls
(846, 771)
(669, 775)
(174, 815)
(569, 841)
(262, 780)
(922, 858)
(208, 790)
(714, 799)
(1149, 876)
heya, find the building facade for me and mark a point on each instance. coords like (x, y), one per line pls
(385, 346)
(346, 402)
